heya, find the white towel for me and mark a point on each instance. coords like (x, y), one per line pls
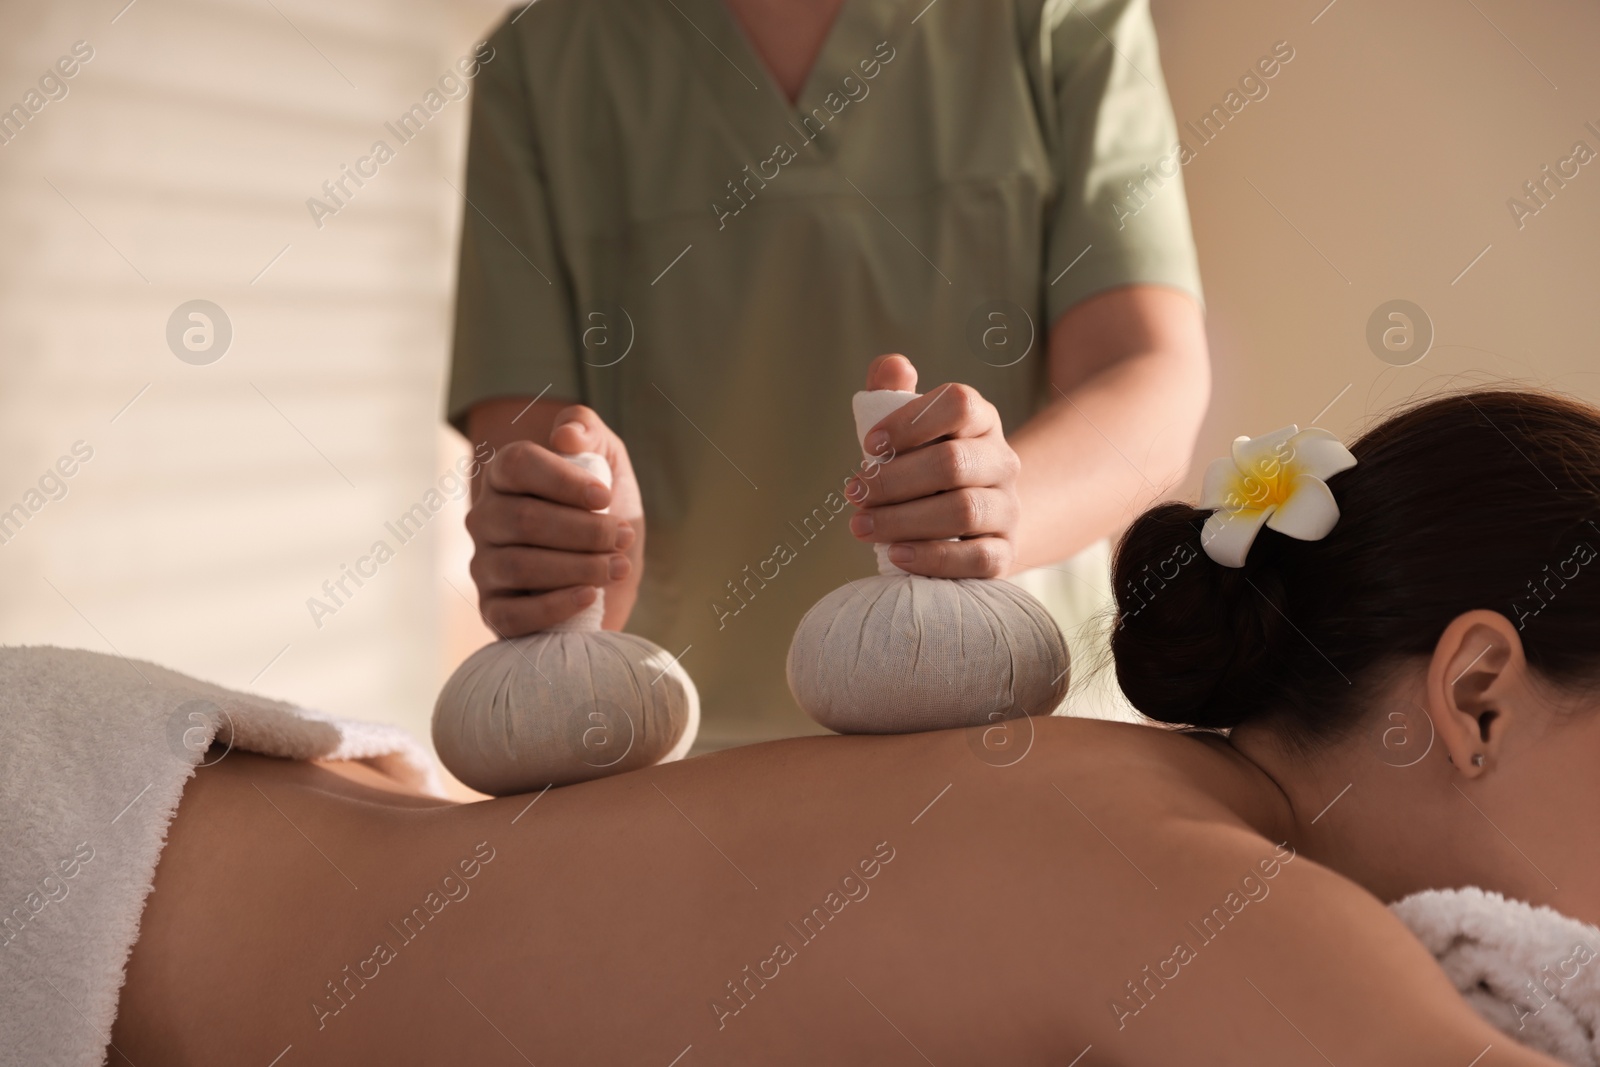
(94, 754)
(1532, 972)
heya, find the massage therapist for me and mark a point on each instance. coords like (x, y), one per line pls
(705, 220)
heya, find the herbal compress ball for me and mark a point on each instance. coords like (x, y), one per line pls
(564, 705)
(899, 652)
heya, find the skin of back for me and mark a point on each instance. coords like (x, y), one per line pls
(822, 900)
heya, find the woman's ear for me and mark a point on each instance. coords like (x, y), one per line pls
(1477, 689)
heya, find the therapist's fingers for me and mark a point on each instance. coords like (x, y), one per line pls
(512, 519)
(958, 513)
(955, 463)
(527, 469)
(515, 616)
(978, 557)
(517, 569)
(952, 410)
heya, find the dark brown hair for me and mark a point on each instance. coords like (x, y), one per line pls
(1483, 499)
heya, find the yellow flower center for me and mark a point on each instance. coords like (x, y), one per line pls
(1269, 484)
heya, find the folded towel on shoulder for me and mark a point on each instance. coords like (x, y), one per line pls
(1532, 972)
(94, 753)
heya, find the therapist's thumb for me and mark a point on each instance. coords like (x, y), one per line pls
(892, 371)
(579, 429)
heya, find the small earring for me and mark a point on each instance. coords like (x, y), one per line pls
(1477, 759)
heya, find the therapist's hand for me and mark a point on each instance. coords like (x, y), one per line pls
(541, 551)
(951, 474)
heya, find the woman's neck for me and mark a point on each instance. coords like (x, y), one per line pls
(1397, 826)
(1253, 792)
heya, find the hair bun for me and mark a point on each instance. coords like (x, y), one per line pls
(1192, 637)
(1440, 517)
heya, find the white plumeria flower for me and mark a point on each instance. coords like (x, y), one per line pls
(1276, 480)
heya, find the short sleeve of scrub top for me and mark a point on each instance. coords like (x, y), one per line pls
(650, 227)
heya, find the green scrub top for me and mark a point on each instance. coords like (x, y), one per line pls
(653, 230)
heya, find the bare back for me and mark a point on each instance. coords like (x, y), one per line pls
(824, 900)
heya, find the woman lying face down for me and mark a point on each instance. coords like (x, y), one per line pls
(1406, 703)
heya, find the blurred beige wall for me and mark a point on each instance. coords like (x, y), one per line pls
(1377, 167)
(221, 495)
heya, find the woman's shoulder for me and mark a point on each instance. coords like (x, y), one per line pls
(1196, 921)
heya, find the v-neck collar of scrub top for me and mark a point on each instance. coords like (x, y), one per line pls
(743, 86)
